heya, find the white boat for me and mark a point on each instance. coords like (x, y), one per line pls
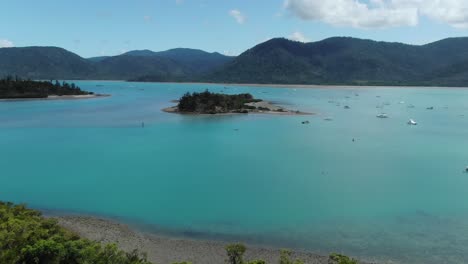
(412, 122)
(382, 115)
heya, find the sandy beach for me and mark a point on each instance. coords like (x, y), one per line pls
(167, 250)
(60, 97)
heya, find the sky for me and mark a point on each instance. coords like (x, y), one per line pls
(111, 27)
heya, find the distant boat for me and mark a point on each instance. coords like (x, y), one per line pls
(328, 119)
(430, 108)
(305, 122)
(412, 122)
(466, 169)
(347, 107)
(382, 115)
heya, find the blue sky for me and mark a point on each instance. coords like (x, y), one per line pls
(110, 27)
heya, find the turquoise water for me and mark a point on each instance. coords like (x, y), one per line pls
(396, 194)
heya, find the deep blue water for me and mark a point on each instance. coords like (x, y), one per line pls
(396, 194)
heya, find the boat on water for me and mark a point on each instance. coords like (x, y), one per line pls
(430, 108)
(382, 115)
(412, 122)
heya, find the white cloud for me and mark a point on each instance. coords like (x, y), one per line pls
(353, 13)
(380, 13)
(5, 43)
(298, 36)
(237, 15)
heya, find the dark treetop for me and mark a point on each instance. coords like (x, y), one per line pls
(11, 88)
(214, 103)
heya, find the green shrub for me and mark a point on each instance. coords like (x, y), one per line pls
(285, 258)
(235, 253)
(28, 238)
(341, 259)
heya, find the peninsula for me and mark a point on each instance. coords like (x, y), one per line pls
(17, 88)
(217, 103)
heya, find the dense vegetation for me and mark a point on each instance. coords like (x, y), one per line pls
(28, 238)
(349, 61)
(17, 88)
(214, 103)
(330, 61)
(56, 63)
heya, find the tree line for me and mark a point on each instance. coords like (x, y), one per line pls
(15, 87)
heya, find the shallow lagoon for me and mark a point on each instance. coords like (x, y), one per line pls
(396, 194)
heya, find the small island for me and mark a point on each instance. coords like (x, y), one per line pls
(17, 88)
(215, 103)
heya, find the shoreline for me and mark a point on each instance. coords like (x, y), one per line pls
(164, 249)
(58, 97)
(273, 110)
(305, 86)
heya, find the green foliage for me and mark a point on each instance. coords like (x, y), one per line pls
(285, 258)
(17, 88)
(213, 103)
(349, 61)
(235, 253)
(28, 238)
(341, 259)
(256, 262)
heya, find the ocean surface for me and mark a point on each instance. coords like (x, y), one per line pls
(396, 194)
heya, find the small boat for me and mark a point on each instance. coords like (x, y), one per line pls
(305, 122)
(430, 108)
(328, 119)
(466, 169)
(347, 107)
(382, 115)
(412, 122)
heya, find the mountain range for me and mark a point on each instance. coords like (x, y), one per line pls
(338, 60)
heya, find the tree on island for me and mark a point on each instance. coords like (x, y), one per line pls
(212, 103)
(11, 88)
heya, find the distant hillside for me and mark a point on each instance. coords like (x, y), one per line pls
(57, 63)
(348, 61)
(338, 60)
(196, 61)
(44, 63)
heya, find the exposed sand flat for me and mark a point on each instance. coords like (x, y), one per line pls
(315, 86)
(60, 97)
(167, 250)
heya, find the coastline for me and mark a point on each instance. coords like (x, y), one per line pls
(165, 249)
(273, 110)
(58, 97)
(304, 86)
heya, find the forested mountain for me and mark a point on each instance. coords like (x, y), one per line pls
(43, 63)
(57, 63)
(349, 61)
(338, 60)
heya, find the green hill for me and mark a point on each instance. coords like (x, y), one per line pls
(347, 61)
(338, 60)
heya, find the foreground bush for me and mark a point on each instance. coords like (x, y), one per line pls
(341, 259)
(28, 238)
